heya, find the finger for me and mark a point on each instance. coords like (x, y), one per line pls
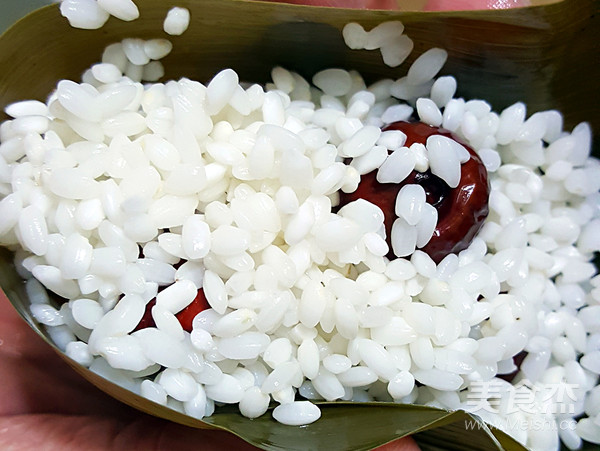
(16, 337)
(97, 433)
(352, 4)
(432, 5)
(460, 5)
(50, 385)
(402, 444)
(35, 380)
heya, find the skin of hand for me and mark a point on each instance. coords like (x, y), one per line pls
(45, 405)
(445, 5)
(431, 5)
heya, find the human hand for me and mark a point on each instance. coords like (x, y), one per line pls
(431, 5)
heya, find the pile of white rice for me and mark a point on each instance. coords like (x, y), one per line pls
(115, 191)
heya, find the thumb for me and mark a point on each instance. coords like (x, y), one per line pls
(460, 5)
(352, 4)
(402, 444)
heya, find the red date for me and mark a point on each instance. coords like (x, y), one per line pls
(185, 317)
(461, 211)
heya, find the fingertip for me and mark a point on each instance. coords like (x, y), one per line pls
(463, 5)
(401, 444)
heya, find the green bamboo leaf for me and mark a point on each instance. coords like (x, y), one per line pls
(342, 426)
(531, 55)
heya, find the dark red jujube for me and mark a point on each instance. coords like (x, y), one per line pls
(185, 317)
(461, 211)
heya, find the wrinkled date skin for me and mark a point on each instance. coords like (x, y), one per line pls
(461, 211)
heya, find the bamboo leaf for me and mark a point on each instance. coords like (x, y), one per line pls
(539, 55)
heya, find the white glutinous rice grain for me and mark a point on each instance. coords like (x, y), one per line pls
(395, 52)
(297, 413)
(443, 90)
(194, 241)
(122, 9)
(383, 33)
(429, 112)
(134, 50)
(334, 82)
(355, 36)
(106, 73)
(157, 48)
(86, 14)
(444, 160)
(177, 21)
(426, 66)
(410, 202)
(397, 166)
(26, 108)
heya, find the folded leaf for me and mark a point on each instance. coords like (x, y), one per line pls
(542, 55)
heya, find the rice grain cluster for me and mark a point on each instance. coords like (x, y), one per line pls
(117, 193)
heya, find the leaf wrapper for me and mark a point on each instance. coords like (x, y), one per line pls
(539, 55)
